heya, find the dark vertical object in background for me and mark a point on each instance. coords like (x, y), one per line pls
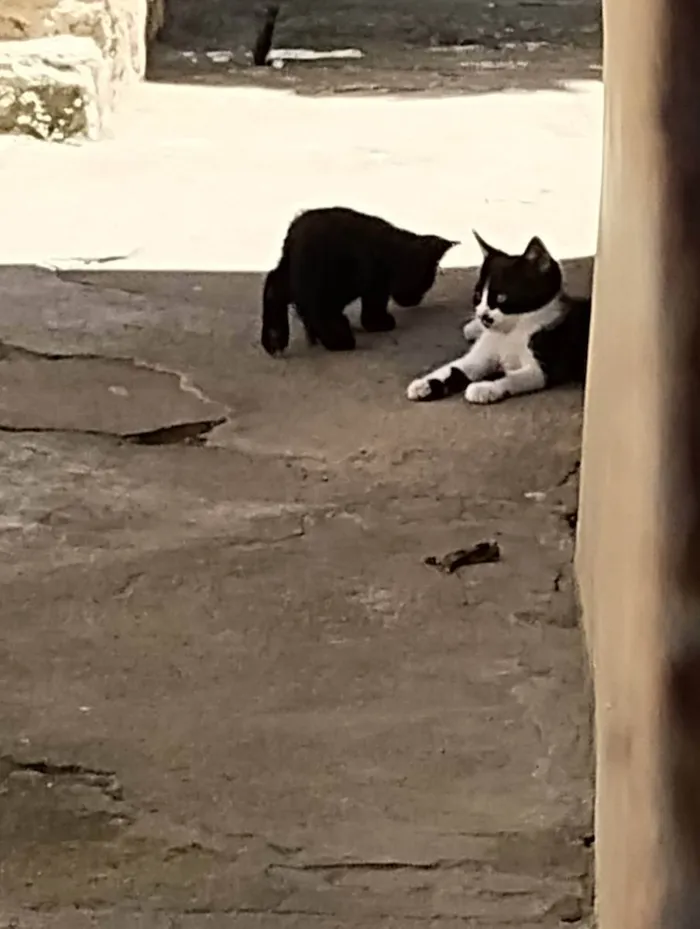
(680, 120)
(263, 43)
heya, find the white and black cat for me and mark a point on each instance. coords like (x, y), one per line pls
(334, 256)
(526, 333)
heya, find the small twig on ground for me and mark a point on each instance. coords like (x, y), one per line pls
(481, 553)
(263, 43)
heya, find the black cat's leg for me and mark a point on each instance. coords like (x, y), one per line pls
(335, 333)
(274, 335)
(311, 336)
(326, 325)
(374, 315)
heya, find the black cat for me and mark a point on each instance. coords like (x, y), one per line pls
(333, 256)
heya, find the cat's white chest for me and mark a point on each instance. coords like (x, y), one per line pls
(511, 350)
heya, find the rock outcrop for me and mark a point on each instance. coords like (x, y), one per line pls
(53, 89)
(77, 54)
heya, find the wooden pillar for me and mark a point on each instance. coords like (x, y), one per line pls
(638, 558)
(620, 538)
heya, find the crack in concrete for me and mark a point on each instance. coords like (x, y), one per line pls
(437, 865)
(186, 383)
(66, 276)
(430, 919)
(74, 263)
(193, 432)
(283, 915)
(102, 260)
(106, 781)
(190, 432)
(10, 349)
(573, 471)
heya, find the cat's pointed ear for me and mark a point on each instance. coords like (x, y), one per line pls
(486, 249)
(444, 245)
(537, 254)
(438, 247)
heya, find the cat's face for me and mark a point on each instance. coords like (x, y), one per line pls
(418, 269)
(510, 286)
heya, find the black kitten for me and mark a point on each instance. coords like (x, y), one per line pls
(333, 256)
(526, 333)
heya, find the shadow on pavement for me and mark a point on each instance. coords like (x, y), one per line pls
(452, 47)
(120, 348)
(398, 23)
(125, 349)
(232, 684)
(424, 73)
(233, 301)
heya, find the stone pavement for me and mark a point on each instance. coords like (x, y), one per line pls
(233, 693)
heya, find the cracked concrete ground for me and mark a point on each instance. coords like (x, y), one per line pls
(233, 693)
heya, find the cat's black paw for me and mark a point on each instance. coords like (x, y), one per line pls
(336, 336)
(384, 323)
(433, 388)
(426, 388)
(274, 341)
(345, 343)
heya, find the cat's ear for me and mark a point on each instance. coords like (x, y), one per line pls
(486, 250)
(438, 247)
(536, 253)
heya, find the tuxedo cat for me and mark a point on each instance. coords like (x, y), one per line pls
(333, 256)
(526, 333)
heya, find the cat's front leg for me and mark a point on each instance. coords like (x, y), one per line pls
(523, 381)
(472, 329)
(452, 377)
(374, 315)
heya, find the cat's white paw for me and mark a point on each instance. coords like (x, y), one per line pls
(419, 389)
(472, 329)
(485, 392)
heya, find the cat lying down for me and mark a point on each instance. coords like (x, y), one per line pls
(526, 333)
(334, 256)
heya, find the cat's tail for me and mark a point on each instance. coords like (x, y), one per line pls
(275, 315)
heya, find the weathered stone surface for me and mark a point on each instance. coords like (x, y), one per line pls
(54, 88)
(117, 32)
(116, 26)
(21, 19)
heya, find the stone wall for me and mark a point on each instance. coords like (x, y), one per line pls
(78, 54)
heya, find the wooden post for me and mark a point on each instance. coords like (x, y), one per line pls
(620, 535)
(638, 559)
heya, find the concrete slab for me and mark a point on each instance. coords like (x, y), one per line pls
(234, 694)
